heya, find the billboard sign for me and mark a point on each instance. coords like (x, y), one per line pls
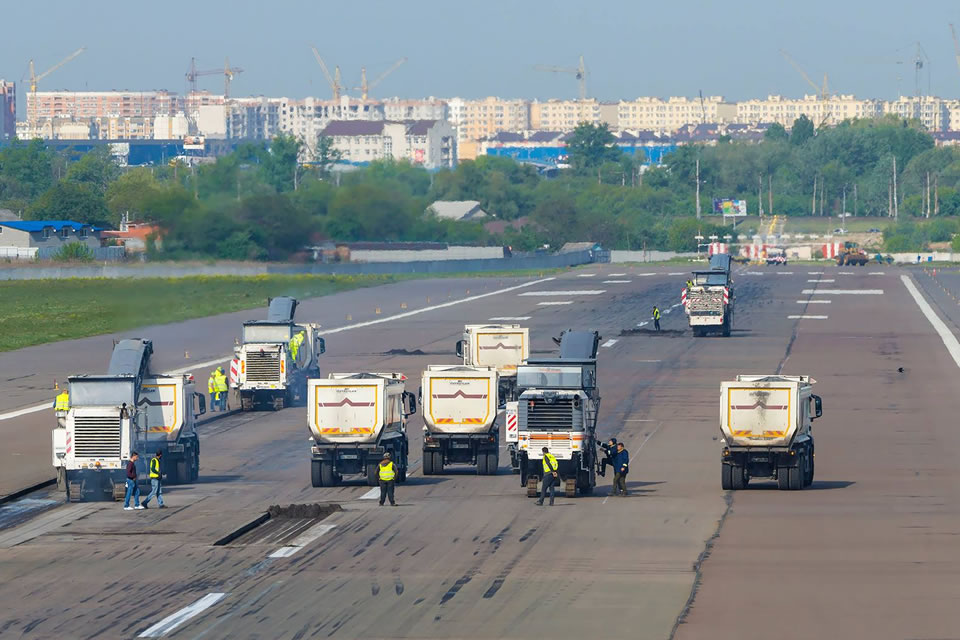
(729, 207)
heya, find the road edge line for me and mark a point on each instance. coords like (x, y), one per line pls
(946, 336)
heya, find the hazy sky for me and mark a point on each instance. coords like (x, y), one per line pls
(473, 49)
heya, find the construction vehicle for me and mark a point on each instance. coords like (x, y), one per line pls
(459, 406)
(765, 430)
(709, 302)
(127, 409)
(558, 408)
(721, 262)
(852, 254)
(355, 418)
(271, 370)
(777, 256)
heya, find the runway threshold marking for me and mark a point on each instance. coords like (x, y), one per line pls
(302, 540)
(609, 343)
(843, 292)
(821, 280)
(586, 275)
(807, 317)
(617, 281)
(510, 318)
(349, 327)
(875, 273)
(814, 301)
(949, 340)
(568, 292)
(174, 620)
(554, 303)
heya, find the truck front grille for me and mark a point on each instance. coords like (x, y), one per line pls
(558, 415)
(263, 366)
(96, 436)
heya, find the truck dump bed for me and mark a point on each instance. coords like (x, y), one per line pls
(500, 346)
(459, 400)
(760, 411)
(163, 401)
(352, 410)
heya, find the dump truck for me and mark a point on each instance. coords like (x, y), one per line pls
(501, 346)
(460, 408)
(558, 408)
(275, 358)
(127, 409)
(709, 303)
(766, 430)
(354, 418)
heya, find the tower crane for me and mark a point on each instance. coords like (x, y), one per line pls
(956, 45)
(364, 88)
(335, 82)
(34, 78)
(822, 91)
(580, 72)
(228, 72)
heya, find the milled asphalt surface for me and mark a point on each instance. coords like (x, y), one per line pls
(866, 554)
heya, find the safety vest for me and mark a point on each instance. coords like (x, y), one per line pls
(63, 402)
(549, 463)
(212, 383)
(656, 314)
(689, 283)
(387, 472)
(295, 343)
(220, 382)
(155, 468)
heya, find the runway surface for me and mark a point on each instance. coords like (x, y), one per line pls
(867, 553)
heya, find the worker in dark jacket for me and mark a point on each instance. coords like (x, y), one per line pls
(621, 465)
(132, 488)
(609, 450)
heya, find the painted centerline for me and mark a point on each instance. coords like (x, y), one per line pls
(303, 540)
(570, 292)
(617, 281)
(505, 318)
(814, 301)
(554, 304)
(843, 292)
(806, 317)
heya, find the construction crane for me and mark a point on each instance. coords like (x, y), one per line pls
(336, 85)
(34, 78)
(580, 72)
(956, 45)
(364, 88)
(823, 91)
(228, 72)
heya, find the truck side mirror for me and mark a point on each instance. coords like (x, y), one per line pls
(321, 346)
(201, 403)
(817, 407)
(412, 402)
(459, 348)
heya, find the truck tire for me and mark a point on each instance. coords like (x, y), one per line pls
(195, 468)
(726, 327)
(795, 474)
(327, 477)
(738, 477)
(482, 463)
(810, 467)
(278, 402)
(316, 478)
(570, 487)
(726, 477)
(532, 482)
(493, 462)
(437, 462)
(246, 403)
(183, 472)
(373, 476)
(428, 463)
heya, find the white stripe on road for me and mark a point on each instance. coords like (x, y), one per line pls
(844, 292)
(570, 292)
(609, 343)
(814, 301)
(821, 280)
(554, 304)
(805, 317)
(585, 275)
(613, 275)
(876, 273)
(642, 324)
(359, 325)
(949, 340)
(646, 361)
(502, 318)
(644, 275)
(373, 494)
(814, 273)
(617, 281)
(753, 273)
(173, 621)
(847, 273)
(675, 273)
(784, 273)
(302, 540)
(667, 310)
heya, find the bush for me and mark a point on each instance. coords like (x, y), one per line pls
(74, 252)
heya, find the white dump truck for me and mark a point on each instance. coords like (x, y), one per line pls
(128, 409)
(765, 430)
(709, 302)
(501, 346)
(276, 357)
(460, 407)
(354, 418)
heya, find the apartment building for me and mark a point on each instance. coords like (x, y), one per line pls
(253, 118)
(563, 115)
(784, 111)
(428, 109)
(664, 116)
(932, 112)
(476, 119)
(8, 110)
(429, 143)
(101, 104)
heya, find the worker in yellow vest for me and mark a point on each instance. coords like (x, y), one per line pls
(295, 343)
(62, 403)
(212, 390)
(220, 384)
(387, 474)
(156, 474)
(656, 318)
(551, 476)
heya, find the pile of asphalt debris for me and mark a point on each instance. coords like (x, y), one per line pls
(315, 511)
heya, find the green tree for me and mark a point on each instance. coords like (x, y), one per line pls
(70, 201)
(282, 164)
(96, 168)
(25, 169)
(592, 145)
(129, 192)
(776, 133)
(326, 155)
(802, 130)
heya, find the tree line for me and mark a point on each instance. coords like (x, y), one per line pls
(263, 202)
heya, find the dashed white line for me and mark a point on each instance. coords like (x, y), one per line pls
(570, 292)
(609, 343)
(844, 292)
(302, 540)
(675, 273)
(675, 305)
(806, 317)
(586, 275)
(753, 273)
(614, 275)
(875, 273)
(617, 281)
(949, 340)
(648, 361)
(644, 275)
(784, 273)
(504, 318)
(814, 301)
(667, 310)
(373, 494)
(814, 273)
(642, 324)
(554, 304)
(847, 273)
(174, 620)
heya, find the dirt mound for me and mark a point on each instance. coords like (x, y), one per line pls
(404, 352)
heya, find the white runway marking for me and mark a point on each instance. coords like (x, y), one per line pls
(373, 494)
(844, 292)
(642, 324)
(675, 273)
(949, 340)
(503, 318)
(667, 310)
(221, 360)
(847, 273)
(676, 305)
(302, 540)
(814, 301)
(647, 361)
(570, 292)
(617, 281)
(821, 280)
(173, 621)
(609, 343)
(806, 317)
(614, 275)
(753, 273)
(784, 273)
(554, 304)
(814, 273)
(876, 273)
(643, 275)
(586, 275)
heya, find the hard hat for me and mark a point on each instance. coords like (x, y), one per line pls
(386, 455)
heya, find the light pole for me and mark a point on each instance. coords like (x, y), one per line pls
(699, 239)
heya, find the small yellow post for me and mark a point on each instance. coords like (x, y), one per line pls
(56, 387)
(403, 305)
(349, 317)
(377, 311)
(186, 355)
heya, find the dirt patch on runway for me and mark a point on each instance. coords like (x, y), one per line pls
(666, 333)
(315, 511)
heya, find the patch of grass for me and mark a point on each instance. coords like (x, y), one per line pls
(41, 311)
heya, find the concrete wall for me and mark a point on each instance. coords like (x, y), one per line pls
(179, 270)
(925, 256)
(450, 253)
(648, 256)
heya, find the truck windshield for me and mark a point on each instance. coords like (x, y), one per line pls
(99, 393)
(549, 377)
(271, 333)
(710, 279)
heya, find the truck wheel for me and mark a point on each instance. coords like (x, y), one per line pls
(570, 488)
(532, 486)
(326, 474)
(726, 327)
(373, 476)
(810, 466)
(737, 476)
(482, 463)
(428, 463)
(795, 474)
(493, 462)
(195, 467)
(316, 477)
(183, 472)
(523, 475)
(783, 478)
(437, 461)
(278, 402)
(61, 479)
(726, 477)
(246, 403)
